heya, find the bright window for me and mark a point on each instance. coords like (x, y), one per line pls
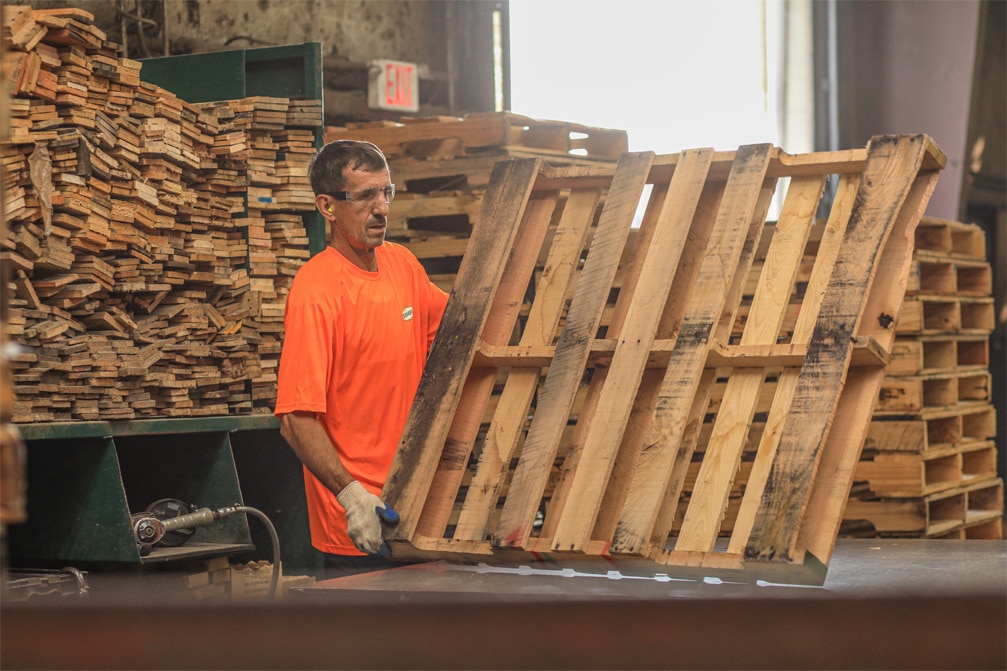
(673, 74)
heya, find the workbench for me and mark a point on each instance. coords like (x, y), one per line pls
(875, 567)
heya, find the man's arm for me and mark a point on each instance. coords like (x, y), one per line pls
(312, 446)
(437, 301)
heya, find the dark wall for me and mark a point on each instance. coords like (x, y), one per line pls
(933, 66)
(906, 66)
(452, 43)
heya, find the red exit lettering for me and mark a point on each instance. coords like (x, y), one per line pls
(398, 85)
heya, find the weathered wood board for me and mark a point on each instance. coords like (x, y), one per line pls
(568, 431)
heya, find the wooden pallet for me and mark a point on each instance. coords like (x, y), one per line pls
(442, 165)
(932, 429)
(439, 138)
(934, 315)
(911, 394)
(953, 239)
(912, 474)
(933, 422)
(940, 354)
(971, 511)
(936, 275)
(529, 475)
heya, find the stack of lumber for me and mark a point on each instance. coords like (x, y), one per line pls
(204, 580)
(441, 167)
(281, 144)
(250, 582)
(929, 463)
(13, 509)
(131, 285)
(585, 450)
(216, 580)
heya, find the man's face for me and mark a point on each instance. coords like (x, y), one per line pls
(361, 223)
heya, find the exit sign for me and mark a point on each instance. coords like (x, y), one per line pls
(393, 85)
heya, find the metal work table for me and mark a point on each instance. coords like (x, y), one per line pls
(859, 566)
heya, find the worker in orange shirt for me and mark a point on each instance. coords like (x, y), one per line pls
(360, 318)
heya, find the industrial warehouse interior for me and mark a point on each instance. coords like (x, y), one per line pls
(654, 334)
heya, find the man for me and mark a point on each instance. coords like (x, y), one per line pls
(360, 318)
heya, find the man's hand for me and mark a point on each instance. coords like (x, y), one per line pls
(362, 520)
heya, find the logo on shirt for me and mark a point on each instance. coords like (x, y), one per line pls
(407, 313)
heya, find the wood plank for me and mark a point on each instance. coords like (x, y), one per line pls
(503, 436)
(646, 398)
(888, 176)
(640, 243)
(867, 352)
(635, 336)
(497, 329)
(828, 251)
(674, 488)
(733, 226)
(701, 526)
(858, 396)
(560, 386)
(466, 313)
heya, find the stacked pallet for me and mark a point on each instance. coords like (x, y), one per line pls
(929, 462)
(441, 167)
(132, 283)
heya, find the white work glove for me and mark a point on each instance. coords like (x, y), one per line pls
(362, 520)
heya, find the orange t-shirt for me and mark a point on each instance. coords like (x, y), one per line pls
(354, 349)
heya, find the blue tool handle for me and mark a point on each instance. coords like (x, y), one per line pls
(387, 515)
(391, 518)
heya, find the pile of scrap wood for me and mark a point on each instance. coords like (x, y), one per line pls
(569, 430)
(134, 291)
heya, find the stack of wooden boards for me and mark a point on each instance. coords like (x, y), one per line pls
(13, 508)
(441, 167)
(584, 448)
(929, 467)
(216, 580)
(150, 240)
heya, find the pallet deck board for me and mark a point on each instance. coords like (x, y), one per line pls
(464, 318)
(503, 436)
(635, 333)
(889, 203)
